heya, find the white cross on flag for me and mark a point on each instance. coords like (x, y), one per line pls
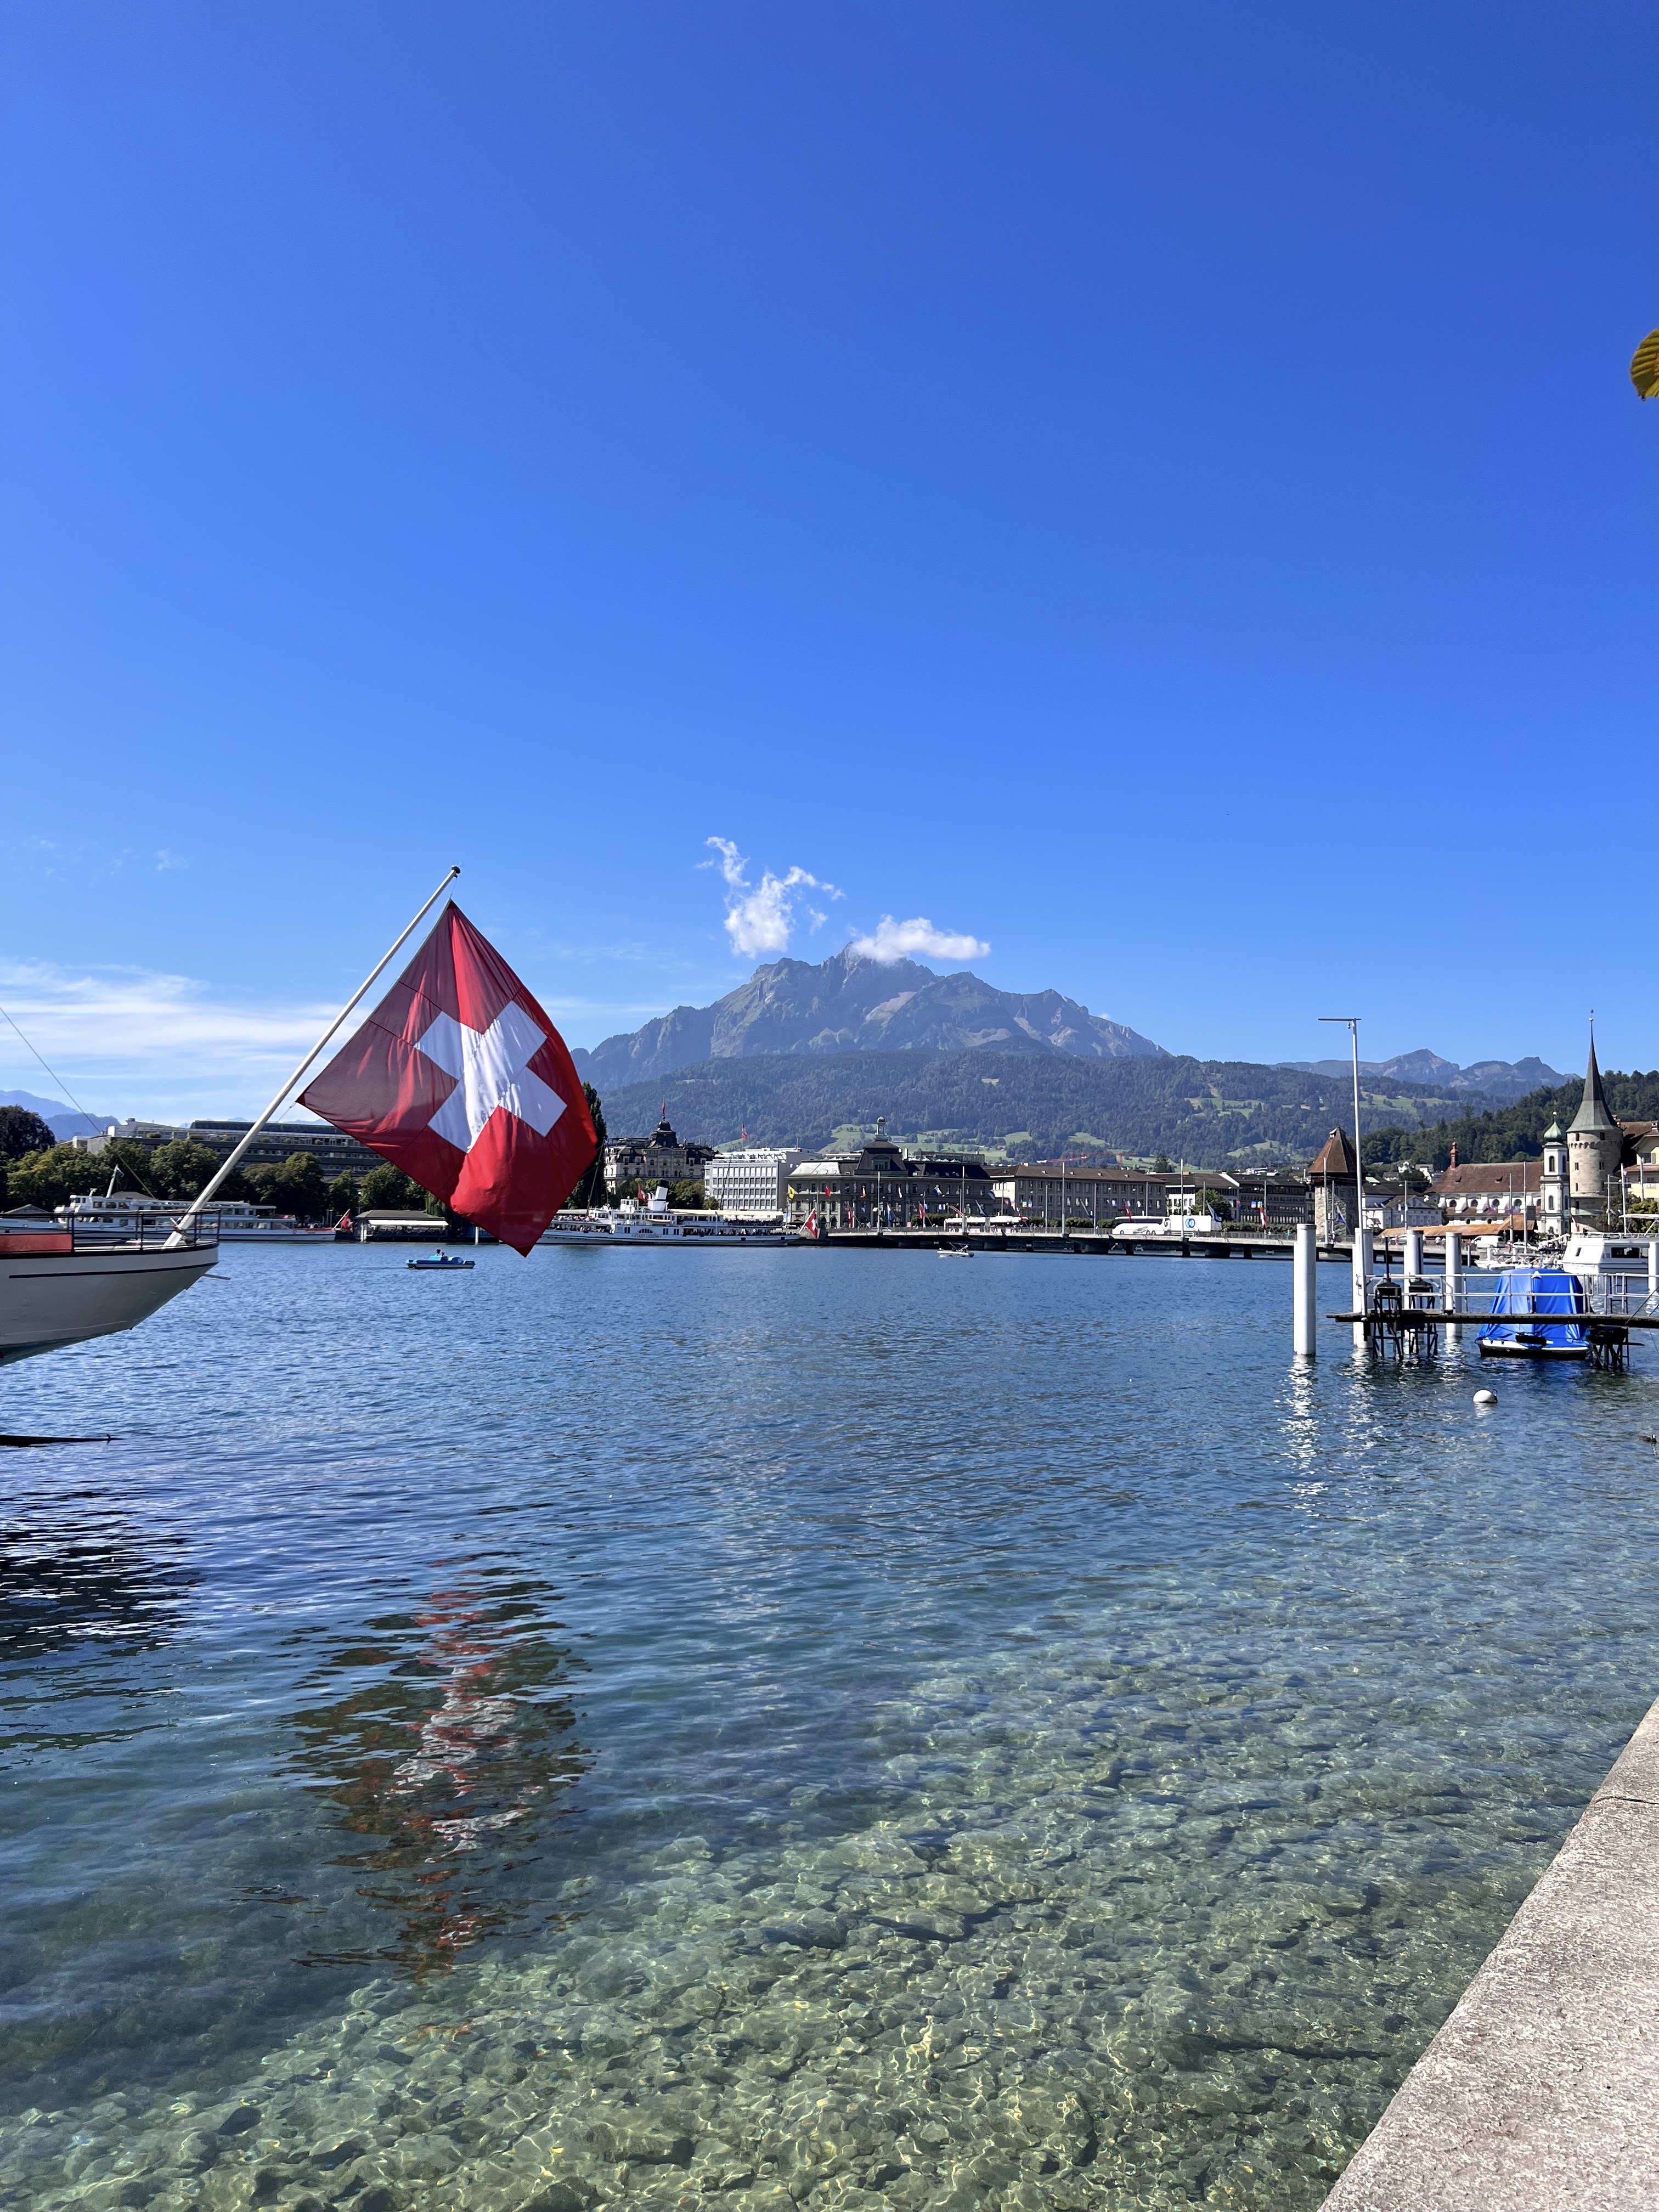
(459, 1079)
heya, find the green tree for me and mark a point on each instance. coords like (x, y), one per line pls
(386, 1190)
(590, 1189)
(342, 1193)
(1162, 1164)
(52, 1178)
(22, 1132)
(293, 1186)
(182, 1169)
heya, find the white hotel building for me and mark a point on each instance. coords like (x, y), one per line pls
(749, 1182)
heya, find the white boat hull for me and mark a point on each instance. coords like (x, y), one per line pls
(49, 1300)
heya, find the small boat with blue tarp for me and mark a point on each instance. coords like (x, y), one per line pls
(1534, 1316)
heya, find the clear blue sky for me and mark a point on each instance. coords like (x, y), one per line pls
(1077, 474)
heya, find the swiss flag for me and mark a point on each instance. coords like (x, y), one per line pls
(459, 1079)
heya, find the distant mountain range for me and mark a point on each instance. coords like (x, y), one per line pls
(1504, 1080)
(63, 1120)
(850, 1003)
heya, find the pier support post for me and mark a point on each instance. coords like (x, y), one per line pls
(1454, 1283)
(1653, 1266)
(1413, 1253)
(1362, 1285)
(1304, 1292)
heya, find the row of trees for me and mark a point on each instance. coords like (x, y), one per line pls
(35, 1170)
(50, 1176)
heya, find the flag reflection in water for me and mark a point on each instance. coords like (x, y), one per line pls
(450, 1754)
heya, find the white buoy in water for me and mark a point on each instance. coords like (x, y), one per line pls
(1485, 1398)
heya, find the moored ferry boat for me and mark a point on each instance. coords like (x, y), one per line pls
(59, 1285)
(654, 1223)
(117, 1217)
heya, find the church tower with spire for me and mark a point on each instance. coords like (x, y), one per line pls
(1595, 1145)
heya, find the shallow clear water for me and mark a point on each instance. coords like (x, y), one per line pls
(755, 1727)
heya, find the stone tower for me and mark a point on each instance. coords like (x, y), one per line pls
(1334, 1180)
(1554, 1209)
(1595, 1142)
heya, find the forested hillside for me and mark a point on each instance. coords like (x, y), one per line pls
(1028, 1106)
(1517, 1132)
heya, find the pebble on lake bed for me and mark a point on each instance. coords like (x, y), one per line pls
(1485, 1398)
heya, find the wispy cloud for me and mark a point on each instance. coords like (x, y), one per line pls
(98, 1024)
(761, 917)
(917, 939)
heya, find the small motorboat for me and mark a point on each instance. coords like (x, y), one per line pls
(955, 1251)
(438, 1259)
(1535, 1316)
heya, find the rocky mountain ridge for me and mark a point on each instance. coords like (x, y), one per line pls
(850, 1003)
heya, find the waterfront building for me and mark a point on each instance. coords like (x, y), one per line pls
(660, 1158)
(130, 1133)
(1408, 1207)
(1332, 1177)
(1642, 1171)
(884, 1186)
(1042, 1191)
(1273, 1198)
(1491, 1190)
(277, 1141)
(753, 1182)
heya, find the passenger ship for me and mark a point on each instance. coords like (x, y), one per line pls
(653, 1223)
(115, 1218)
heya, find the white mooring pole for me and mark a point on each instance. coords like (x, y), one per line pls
(1304, 1291)
(1653, 1266)
(198, 1204)
(1413, 1254)
(1362, 1241)
(1362, 1264)
(1454, 1283)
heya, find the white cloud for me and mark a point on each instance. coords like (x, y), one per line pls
(131, 1031)
(761, 917)
(907, 941)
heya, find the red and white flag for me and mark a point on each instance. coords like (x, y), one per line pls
(459, 1079)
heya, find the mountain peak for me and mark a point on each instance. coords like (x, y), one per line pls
(852, 1002)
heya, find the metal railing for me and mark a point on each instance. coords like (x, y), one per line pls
(145, 1232)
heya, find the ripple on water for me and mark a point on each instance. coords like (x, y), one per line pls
(776, 1727)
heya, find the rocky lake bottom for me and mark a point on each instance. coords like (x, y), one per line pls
(742, 1729)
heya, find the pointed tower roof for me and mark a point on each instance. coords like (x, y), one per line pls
(1554, 1133)
(1593, 1114)
(1336, 1160)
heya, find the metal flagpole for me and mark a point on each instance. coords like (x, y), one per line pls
(197, 1205)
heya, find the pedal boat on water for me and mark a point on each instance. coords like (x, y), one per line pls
(60, 1287)
(1533, 1317)
(444, 1259)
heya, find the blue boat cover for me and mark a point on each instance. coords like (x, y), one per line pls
(1549, 1295)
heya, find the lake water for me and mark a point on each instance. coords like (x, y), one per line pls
(748, 1727)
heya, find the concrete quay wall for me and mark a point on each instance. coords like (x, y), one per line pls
(1540, 2093)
